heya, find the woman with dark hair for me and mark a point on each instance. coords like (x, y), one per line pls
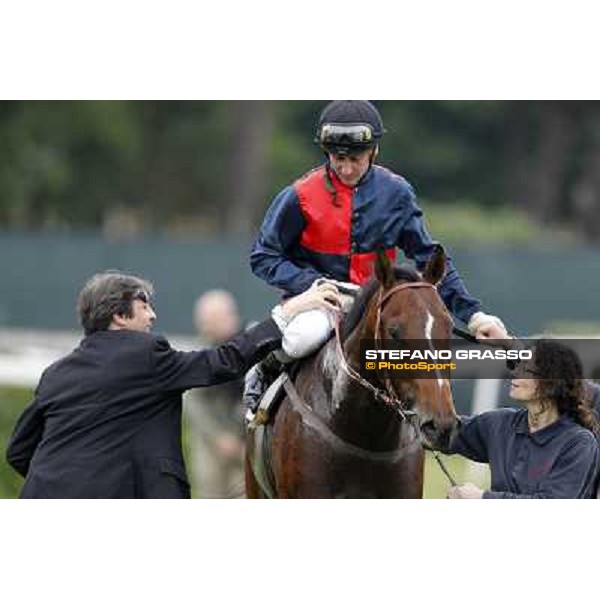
(548, 448)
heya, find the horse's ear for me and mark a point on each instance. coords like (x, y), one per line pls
(384, 270)
(435, 269)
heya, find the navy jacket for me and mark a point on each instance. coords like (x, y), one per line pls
(319, 228)
(106, 419)
(558, 461)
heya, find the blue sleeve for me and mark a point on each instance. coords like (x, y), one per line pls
(279, 234)
(573, 476)
(471, 438)
(416, 242)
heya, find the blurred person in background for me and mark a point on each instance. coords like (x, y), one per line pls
(329, 224)
(594, 389)
(546, 449)
(106, 419)
(215, 414)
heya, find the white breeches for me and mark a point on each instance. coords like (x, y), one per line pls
(305, 333)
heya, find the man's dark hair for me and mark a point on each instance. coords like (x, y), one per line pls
(107, 294)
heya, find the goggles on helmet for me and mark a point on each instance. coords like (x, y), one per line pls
(346, 135)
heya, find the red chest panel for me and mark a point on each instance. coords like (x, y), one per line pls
(361, 265)
(328, 227)
(328, 223)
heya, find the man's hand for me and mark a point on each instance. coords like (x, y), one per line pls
(487, 327)
(324, 296)
(348, 291)
(468, 491)
(344, 287)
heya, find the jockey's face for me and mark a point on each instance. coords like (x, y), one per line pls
(351, 168)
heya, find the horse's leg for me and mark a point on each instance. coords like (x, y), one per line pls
(412, 468)
(411, 471)
(405, 478)
(301, 459)
(289, 453)
(286, 456)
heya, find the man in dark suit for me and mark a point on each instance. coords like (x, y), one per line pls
(106, 419)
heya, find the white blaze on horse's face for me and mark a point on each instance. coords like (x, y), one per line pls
(428, 332)
(436, 410)
(429, 326)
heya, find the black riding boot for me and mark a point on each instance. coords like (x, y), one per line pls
(258, 379)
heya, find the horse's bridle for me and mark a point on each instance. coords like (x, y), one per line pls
(383, 298)
(389, 396)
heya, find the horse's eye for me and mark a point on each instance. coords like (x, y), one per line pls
(395, 332)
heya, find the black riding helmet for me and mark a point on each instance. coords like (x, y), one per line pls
(349, 127)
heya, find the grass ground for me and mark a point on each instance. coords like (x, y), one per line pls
(14, 400)
(463, 470)
(12, 403)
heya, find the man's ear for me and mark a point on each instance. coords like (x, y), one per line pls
(118, 322)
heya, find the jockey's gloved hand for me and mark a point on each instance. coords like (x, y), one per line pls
(484, 326)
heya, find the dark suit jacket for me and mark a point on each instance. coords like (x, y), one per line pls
(106, 419)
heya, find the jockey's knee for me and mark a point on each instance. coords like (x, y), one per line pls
(306, 332)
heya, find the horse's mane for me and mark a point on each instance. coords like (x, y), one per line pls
(403, 272)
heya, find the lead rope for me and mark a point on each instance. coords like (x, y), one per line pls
(390, 400)
(443, 467)
(411, 421)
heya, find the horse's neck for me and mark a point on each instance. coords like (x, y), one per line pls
(339, 384)
(351, 409)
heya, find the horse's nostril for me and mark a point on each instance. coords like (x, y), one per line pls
(428, 427)
(428, 432)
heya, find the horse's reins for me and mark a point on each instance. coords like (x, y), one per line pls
(391, 398)
(465, 335)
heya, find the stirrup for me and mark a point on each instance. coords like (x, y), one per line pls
(268, 402)
(256, 419)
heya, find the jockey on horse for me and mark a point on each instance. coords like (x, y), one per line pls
(328, 225)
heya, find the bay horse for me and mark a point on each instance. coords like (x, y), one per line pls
(331, 437)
